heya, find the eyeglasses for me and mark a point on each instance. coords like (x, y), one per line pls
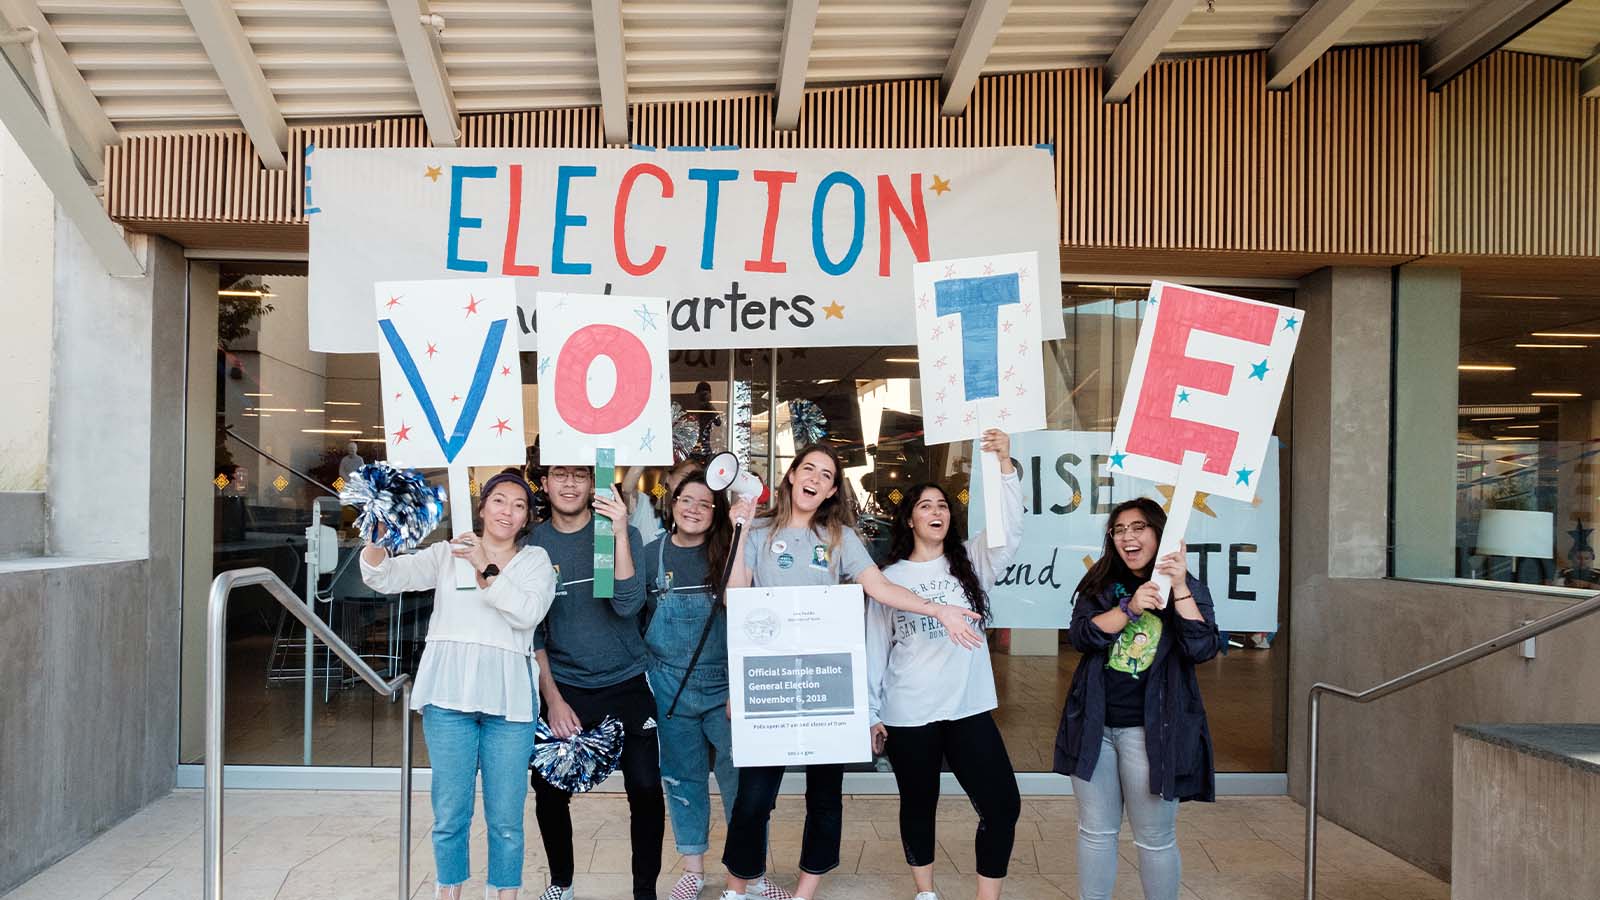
(690, 503)
(1132, 528)
(569, 477)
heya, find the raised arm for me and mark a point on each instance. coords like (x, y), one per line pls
(396, 574)
(955, 619)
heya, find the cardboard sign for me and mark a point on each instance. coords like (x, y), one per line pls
(1068, 490)
(452, 383)
(603, 380)
(797, 661)
(1207, 377)
(755, 248)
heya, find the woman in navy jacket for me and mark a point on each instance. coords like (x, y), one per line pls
(1133, 735)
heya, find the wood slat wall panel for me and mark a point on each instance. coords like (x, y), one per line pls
(1357, 158)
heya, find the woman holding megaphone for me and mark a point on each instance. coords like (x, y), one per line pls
(807, 538)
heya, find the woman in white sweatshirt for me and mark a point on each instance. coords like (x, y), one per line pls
(475, 682)
(930, 698)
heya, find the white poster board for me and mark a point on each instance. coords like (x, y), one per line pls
(755, 247)
(1068, 490)
(797, 661)
(603, 379)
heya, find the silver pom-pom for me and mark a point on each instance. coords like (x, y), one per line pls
(401, 500)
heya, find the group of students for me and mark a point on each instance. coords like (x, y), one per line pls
(533, 629)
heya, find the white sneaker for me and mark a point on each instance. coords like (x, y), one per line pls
(765, 889)
(688, 887)
(556, 892)
(730, 895)
(927, 895)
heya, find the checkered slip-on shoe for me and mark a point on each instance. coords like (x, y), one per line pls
(556, 892)
(688, 887)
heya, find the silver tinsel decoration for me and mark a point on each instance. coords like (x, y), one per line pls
(401, 500)
(579, 763)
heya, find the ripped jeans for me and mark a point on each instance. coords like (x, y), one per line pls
(460, 745)
(698, 729)
(1122, 781)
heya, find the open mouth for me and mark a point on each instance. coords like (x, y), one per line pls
(936, 523)
(809, 491)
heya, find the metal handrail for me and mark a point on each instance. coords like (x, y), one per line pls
(1512, 638)
(216, 676)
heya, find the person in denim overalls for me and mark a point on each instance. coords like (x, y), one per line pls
(683, 569)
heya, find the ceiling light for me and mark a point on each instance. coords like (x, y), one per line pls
(343, 422)
(257, 395)
(898, 359)
(245, 294)
(1494, 418)
(1566, 334)
(1510, 427)
(1553, 346)
(274, 409)
(328, 431)
(340, 403)
(1483, 367)
(1518, 297)
(311, 410)
(1563, 394)
(1511, 437)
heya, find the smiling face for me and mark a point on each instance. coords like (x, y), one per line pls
(812, 481)
(694, 510)
(504, 512)
(570, 488)
(1135, 541)
(930, 518)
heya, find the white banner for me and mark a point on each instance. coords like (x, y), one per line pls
(1068, 489)
(797, 658)
(755, 248)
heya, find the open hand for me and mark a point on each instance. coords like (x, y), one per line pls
(1175, 566)
(469, 546)
(958, 623)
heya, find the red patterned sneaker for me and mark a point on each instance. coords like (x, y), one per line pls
(688, 887)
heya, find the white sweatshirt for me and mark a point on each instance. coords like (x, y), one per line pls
(915, 673)
(479, 655)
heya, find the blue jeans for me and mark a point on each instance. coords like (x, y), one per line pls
(697, 728)
(1122, 781)
(459, 745)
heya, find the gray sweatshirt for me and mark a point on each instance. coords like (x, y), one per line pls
(590, 643)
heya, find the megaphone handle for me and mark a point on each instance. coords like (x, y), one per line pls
(717, 605)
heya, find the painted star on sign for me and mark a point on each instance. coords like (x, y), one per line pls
(544, 364)
(1010, 373)
(834, 310)
(404, 434)
(939, 420)
(988, 268)
(1244, 476)
(937, 331)
(393, 302)
(1200, 497)
(1004, 414)
(432, 174)
(1006, 326)
(647, 318)
(952, 379)
(1022, 391)
(1117, 459)
(949, 271)
(432, 349)
(939, 396)
(455, 398)
(1258, 370)
(500, 427)
(1183, 396)
(1290, 323)
(472, 304)
(969, 417)
(648, 442)
(940, 185)
(505, 370)
(922, 302)
(940, 363)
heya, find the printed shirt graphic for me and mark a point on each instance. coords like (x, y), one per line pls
(1135, 649)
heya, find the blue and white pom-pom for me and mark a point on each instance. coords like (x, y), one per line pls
(579, 763)
(806, 422)
(401, 500)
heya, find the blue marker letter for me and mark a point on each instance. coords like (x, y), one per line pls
(564, 219)
(713, 179)
(978, 302)
(452, 259)
(860, 209)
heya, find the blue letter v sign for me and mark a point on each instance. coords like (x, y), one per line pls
(474, 399)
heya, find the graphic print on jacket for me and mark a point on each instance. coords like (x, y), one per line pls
(1135, 649)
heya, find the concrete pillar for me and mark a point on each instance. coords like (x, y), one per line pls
(1427, 348)
(27, 218)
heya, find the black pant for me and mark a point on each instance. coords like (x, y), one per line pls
(745, 854)
(977, 756)
(631, 703)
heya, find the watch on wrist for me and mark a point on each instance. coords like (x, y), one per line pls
(490, 571)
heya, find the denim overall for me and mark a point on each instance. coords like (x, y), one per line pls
(699, 725)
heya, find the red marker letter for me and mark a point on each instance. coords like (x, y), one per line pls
(632, 362)
(619, 231)
(508, 262)
(914, 223)
(1155, 432)
(775, 182)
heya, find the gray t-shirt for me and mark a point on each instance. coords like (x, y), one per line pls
(590, 643)
(800, 557)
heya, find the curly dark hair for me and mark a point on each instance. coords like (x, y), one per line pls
(902, 541)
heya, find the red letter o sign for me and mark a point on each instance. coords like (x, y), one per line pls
(632, 361)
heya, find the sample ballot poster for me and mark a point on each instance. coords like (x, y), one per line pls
(797, 660)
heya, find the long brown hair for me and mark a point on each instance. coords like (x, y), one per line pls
(1109, 567)
(902, 540)
(833, 518)
(719, 537)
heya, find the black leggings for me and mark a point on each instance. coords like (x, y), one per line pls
(633, 704)
(977, 756)
(745, 854)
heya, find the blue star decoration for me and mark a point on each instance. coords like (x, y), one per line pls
(1290, 323)
(1150, 300)
(1259, 370)
(648, 442)
(1183, 396)
(1117, 459)
(1580, 537)
(544, 364)
(1244, 476)
(646, 318)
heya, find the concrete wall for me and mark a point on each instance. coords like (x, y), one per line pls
(1386, 766)
(89, 664)
(26, 246)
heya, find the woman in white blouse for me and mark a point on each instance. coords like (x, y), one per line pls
(475, 683)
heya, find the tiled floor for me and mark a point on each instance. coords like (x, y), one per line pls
(300, 845)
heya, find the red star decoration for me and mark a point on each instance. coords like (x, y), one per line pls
(988, 268)
(455, 398)
(1022, 391)
(940, 363)
(472, 304)
(1023, 275)
(432, 349)
(1006, 327)
(937, 330)
(952, 379)
(397, 395)
(922, 302)
(949, 271)
(1004, 414)
(1010, 372)
(939, 396)
(1027, 308)
(968, 418)
(505, 370)
(393, 302)
(403, 434)
(501, 427)
(1022, 348)
(938, 420)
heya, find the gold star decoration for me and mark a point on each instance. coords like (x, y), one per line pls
(834, 310)
(472, 487)
(658, 491)
(338, 484)
(963, 496)
(895, 496)
(432, 174)
(1200, 498)
(280, 483)
(940, 185)
(1088, 562)
(221, 482)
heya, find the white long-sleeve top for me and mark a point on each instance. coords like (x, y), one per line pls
(479, 654)
(915, 673)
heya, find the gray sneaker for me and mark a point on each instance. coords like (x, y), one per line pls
(556, 892)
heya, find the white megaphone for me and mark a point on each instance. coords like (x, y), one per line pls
(725, 473)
